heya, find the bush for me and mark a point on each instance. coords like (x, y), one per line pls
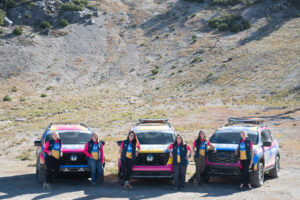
(64, 22)
(231, 22)
(27, 16)
(18, 31)
(81, 2)
(43, 95)
(2, 15)
(154, 71)
(69, 6)
(180, 71)
(196, 59)
(8, 3)
(45, 24)
(14, 89)
(6, 98)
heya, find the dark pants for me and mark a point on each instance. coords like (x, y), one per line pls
(179, 175)
(245, 172)
(96, 168)
(126, 165)
(200, 167)
(52, 165)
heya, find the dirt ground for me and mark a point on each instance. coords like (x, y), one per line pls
(18, 181)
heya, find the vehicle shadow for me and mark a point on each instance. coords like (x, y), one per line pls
(26, 186)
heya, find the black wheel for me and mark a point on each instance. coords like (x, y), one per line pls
(275, 171)
(257, 179)
(41, 174)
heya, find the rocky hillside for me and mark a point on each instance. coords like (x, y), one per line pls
(155, 52)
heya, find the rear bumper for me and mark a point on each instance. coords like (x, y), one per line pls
(74, 168)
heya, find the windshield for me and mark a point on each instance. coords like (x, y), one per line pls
(72, 137)
(155, 138)
(231, 137)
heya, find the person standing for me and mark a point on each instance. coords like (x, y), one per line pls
(245, 151)
(53, 152)
(94, 152)
(180, 152)
(200, 149)
(129, 151)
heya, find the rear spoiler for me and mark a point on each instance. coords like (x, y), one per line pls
(153, 121)
(244, 120)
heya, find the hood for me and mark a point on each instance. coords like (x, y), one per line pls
(154, 148)
(228, 147)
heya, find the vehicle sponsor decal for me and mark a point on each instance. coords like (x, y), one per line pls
(73, 146)
(230, 147)
(154, 148)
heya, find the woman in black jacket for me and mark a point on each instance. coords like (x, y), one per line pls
(128, 151)
(180, 152)
(245, 151)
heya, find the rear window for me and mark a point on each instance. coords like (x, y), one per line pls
(72, 137)
(231, 137)
(155, 138)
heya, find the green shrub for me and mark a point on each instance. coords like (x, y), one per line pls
(45, 24)
(6, 98)
(81, 2)
(196, 59)
(27, 16)
(89, 6)
(14, 89)
(8, 3)
(2, 15)
(154, 71)
(231, 22)
(180, 71)
(22, 99)
(43, 95)
(64, 22)
(18, 31)
(1, 31)
(69, 6)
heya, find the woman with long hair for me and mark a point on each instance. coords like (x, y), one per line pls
(53, 152)
(200, 149)
(180, 152)
(128, 153)
(93, 150)
(245, 152)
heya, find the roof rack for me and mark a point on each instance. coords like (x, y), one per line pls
(68, 123)
(245, 120)
(153, 121)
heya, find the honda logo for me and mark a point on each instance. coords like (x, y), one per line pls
(150, 158)
(73, 158)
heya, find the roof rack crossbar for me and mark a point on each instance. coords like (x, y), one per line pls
(245, 120)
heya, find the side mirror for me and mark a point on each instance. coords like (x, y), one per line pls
(119, 143)
(267, 144)
(37, 143)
